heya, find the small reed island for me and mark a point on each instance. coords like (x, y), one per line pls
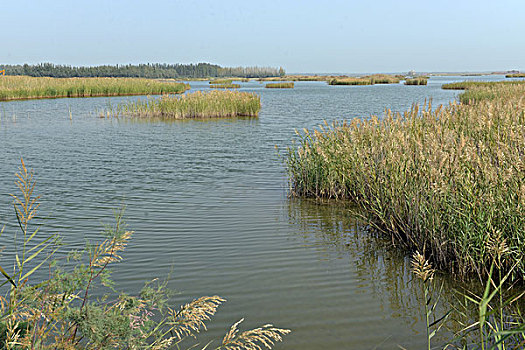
(416, 81)
(24, 87)
(213, 104)
(283, 85)
(367, 80)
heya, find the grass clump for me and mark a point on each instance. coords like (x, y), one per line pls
(213, 104)
(225, 86)
(349, 81)
(440, 181)
(465, 85)
(60, 312)
(416, 81)
(365, 80)
(383, 79)
(515, 75)
(23, 87)
(220, 81)
(280, 85)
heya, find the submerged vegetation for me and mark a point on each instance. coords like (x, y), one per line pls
(213, 104)
(442, 181)
(416, 81)
(279, 85)
(59, 311)
(21, 87)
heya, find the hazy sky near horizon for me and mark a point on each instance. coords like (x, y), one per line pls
(302, 36)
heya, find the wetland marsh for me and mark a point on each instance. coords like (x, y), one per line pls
(208, 201)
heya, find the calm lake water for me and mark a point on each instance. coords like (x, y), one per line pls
(208, 201)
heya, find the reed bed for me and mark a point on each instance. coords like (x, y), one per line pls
(280, 85)
(465, 85)
(515, 75)
(225, 86)
(383, 79)
(213, 104)
(445, 182)
(23, 87)
(366, 80)
(350, 81)
(416, 81)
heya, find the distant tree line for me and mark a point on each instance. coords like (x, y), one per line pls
(149, 70)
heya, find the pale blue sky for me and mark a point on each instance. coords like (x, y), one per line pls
(302, 36)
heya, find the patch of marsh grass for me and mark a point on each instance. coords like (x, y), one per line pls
(383, 79)
(416, 81)
(515, 75)
(213, 104)
(366, 80)
(23, 87)
(465, 85)
(279, 85)
(441, 181)
(349, 81)
(221, 81)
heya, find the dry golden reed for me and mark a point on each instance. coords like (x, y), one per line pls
(289, 85)
(441, 181)
(23, 87)
(213, 104)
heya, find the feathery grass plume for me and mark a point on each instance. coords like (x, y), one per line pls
(255, 339)
(438, 180)
(23, 87)
(191, 318)
(213, 104)
(423, 270)
(279, 85)
(416, 81)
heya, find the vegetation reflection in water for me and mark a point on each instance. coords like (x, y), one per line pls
(385, 271)
(397, 282)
